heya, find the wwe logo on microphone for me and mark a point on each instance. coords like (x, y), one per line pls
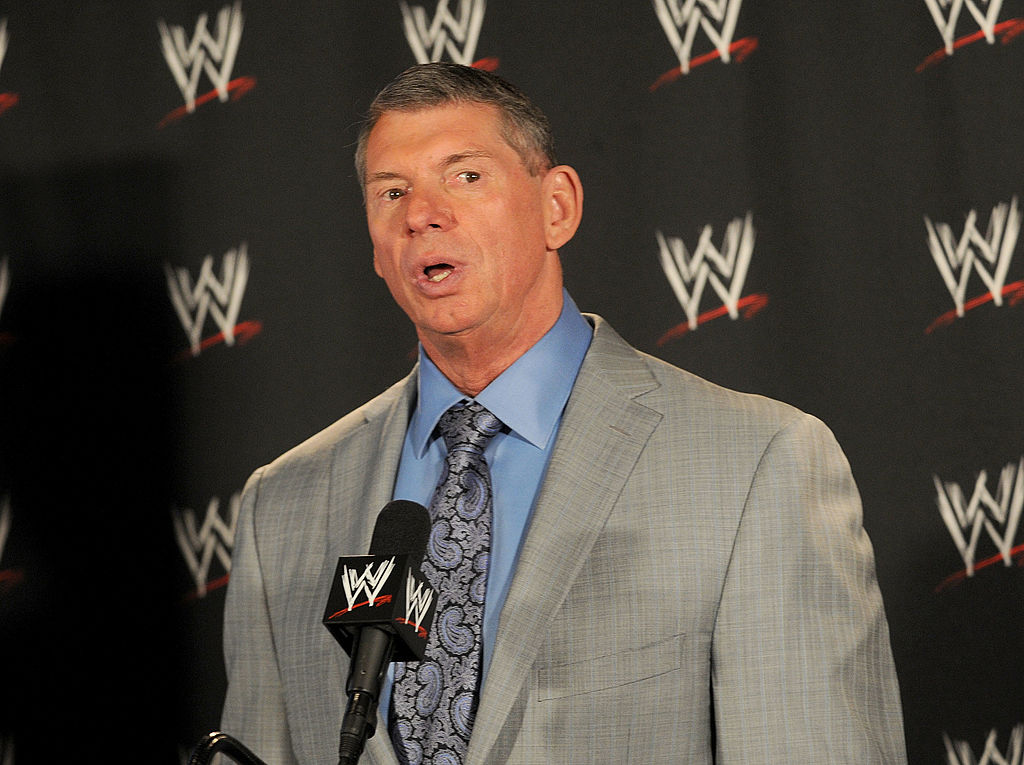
(219, 299)
(998, 515)
(959, 752)
(213, 539)
(418, 597)
(213, 54)
(453, 33)
(369, 581)
(724, 268)
(974, 252)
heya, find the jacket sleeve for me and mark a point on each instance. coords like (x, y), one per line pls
(254, 709)
(802, 668)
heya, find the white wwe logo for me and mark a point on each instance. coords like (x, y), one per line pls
(5, 282)
(3, 41)
(430, 39)
(731, 263)
(5, 522)
(687, 16)
(220, 299)
(965, 519)
(418, 597)
(966, 254)
(959, 752)
(215, 538)
(369, 581)
(947, 22)
(188, 59)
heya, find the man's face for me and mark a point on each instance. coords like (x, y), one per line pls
(458, 225)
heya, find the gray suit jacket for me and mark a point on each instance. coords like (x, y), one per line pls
(695, 586)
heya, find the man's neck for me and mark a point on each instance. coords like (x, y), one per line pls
(471, 361)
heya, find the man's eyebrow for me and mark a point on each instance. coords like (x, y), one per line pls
(382, 176)
(462, 156)
(451, 159)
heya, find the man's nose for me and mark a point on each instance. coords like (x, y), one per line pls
(428, 209)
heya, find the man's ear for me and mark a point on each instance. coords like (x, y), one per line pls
(563, 205)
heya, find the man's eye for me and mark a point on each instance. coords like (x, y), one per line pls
(392, 194)
(469, 176)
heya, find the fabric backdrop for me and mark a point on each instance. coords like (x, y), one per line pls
(816, 201)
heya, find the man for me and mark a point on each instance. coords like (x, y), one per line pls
(677, 573)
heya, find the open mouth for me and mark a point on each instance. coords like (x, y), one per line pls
(438, 272)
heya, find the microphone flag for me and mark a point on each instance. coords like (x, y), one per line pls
(387, 591)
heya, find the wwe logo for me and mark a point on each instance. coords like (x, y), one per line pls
(220, 299)
(188, 59)
(5, 282)
(731, 263)
(972, 250)
(5, 523)
(959, 752)
(3, 41)
(947, 23)
(681, 19)
(213, 539)
(966, 518)
(418, 597)
(369, 581)
(430, 39)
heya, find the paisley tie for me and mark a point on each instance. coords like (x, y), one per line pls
(434, 701)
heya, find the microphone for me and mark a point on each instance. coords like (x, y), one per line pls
(380, 610)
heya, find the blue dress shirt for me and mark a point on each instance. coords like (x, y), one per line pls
(529, 397)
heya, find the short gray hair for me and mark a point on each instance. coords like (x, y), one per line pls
(523, 126)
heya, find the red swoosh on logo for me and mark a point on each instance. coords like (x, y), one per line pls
(1007, 31)
(243, 333)
(7, 100)
(1017, 553)
(11, 577)
(1015, 292)
(487, 64)
(739, 50)
(377, 601)
(750, 305)
(237, 88)
(213, 584)
(419, 630)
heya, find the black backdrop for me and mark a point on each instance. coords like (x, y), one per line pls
(871, 175)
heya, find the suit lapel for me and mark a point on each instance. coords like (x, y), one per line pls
(359, 489)
(602, 434)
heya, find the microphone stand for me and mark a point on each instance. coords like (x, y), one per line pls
(215, 742)
(371, 657)
(359, 723)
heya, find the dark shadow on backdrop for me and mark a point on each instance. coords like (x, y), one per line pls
(88, 635)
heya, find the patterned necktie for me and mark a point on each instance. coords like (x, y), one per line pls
(434, 700)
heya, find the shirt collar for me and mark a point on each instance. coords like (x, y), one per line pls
(528, 397)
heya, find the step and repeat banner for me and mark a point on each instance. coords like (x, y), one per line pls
(820, 202)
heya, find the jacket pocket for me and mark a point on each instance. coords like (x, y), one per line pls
(565, 679)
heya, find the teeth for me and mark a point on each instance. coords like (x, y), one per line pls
(441, 276)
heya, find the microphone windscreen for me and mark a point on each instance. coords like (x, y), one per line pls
(402, 528)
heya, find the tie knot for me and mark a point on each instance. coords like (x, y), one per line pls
(468, 425)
